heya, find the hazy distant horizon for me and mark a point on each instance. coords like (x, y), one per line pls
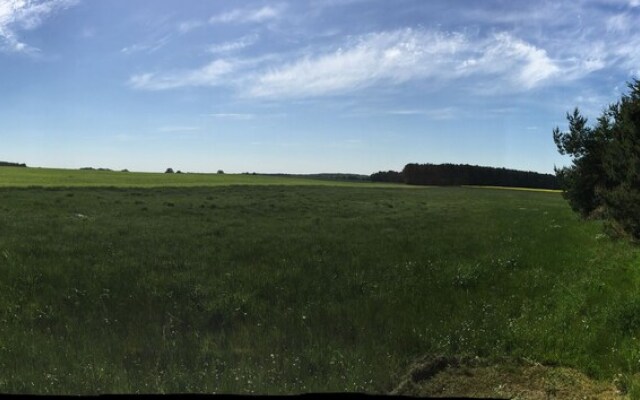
(243, 171)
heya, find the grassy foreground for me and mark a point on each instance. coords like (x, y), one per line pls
(288, 289)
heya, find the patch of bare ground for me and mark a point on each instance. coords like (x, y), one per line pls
(500, 378)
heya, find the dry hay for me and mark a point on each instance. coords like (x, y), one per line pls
(500, 378)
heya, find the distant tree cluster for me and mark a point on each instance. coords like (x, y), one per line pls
(338, 177)
(101, 169)
(326, 176)
(10, 164)
(604, 178)
(96, 169)
(387, 176)
(463, 174)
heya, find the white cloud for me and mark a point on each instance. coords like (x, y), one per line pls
(522, 63)
(16, 15)
(246, 15)
(400, 56)
(235, 45)
(499, 62)
(389, 56)
(212, 74)
(582, 36)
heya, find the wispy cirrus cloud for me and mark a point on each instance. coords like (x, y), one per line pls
(501, 61)
(212, 74)
(147, 47)
(405, 55)
(248, 15)
(523, 63)
(235, 45)
(17, 15)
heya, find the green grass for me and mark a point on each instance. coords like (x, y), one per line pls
(47, 177)
(289, 289)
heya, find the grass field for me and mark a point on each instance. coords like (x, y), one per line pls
(290, 287)
(45, 177)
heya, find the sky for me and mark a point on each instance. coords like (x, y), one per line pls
(317, 86)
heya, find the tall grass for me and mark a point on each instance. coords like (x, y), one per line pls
(289, 289)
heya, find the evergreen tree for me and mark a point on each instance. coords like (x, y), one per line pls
(582, 182)
(604, 178)
(622, 162)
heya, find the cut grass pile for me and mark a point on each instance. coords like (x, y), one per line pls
(288, 289)
(501, 378)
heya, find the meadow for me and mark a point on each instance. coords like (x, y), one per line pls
(48, 177)
(268, 285)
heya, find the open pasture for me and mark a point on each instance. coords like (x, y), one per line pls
(49, 177)
(288, 289)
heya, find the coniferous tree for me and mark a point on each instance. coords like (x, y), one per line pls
(622, 161)
(604, 178)
(583, 181)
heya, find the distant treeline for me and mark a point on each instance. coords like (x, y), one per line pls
(95, 169)
(339, 177)
(11, 164)
(101, 169)
(463, 174)
(329, 176)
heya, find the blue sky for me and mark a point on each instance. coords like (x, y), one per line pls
(305, 86)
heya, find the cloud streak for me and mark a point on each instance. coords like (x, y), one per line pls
(246, 15)
(212, 74)
(148, 47)
(235, 45)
